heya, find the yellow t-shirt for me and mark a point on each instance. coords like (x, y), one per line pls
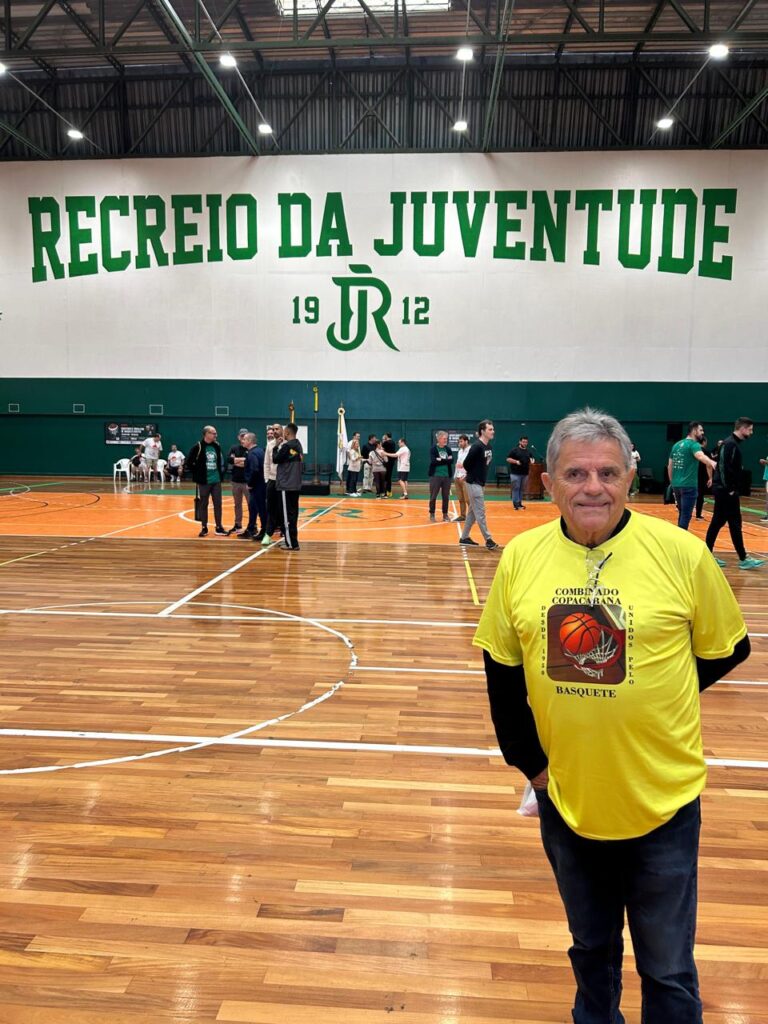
(608, 638)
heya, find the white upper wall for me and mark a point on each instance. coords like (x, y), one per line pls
(685, 303)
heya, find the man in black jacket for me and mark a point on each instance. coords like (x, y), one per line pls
(726, 491)
(289, 459)
(205, 464)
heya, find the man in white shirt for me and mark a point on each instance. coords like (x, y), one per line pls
(460, 478)
(403, 456)
(152, 449)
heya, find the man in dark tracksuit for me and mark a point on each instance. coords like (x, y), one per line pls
(289, 458)
(205, 464)
(726, 491)
(257, 488)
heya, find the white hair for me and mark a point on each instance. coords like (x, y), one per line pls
(588, 425)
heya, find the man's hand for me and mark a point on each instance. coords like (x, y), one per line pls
(541, 780)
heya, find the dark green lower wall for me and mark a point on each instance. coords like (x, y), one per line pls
(46, 437)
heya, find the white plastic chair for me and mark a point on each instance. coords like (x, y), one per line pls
(122, 466)
(161, 464)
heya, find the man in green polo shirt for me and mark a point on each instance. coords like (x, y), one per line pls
(683, 470)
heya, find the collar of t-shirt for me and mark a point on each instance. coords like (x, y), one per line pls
(617, 529)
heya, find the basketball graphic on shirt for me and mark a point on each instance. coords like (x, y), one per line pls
(579, 633)
(586, 644)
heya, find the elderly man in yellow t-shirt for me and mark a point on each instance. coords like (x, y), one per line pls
(600, 631)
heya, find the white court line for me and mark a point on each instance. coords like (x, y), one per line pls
(236, 740)
(136, 527)
(228, 572)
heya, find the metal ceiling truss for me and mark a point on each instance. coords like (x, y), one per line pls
(551, 74)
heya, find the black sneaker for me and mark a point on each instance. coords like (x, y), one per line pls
(245, 535)
(203, 532)
(221, 531)
(258, 537)
(492, 545)
(469, 541)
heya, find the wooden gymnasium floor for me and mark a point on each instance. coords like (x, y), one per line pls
(266, 790)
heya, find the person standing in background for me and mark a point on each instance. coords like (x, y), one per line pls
(726, 489)
(274, 513)
(764, 464)
(367, 471)
(389, 448)
(403, 456)
(684, 472)
(476, 463)
(519, 461)
(634, 487)
(288, 457)
(257, 488)
(205, 463)
(440, 474)
(152, 449)
(236, 463)
(460, 478)
(354, 463)
(377, 460)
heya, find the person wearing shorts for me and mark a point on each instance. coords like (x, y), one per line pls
(403, 455)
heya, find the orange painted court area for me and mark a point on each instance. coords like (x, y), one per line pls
(95, 508)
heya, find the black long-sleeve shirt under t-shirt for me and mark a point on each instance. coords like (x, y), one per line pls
(512, 716)
(476, 463)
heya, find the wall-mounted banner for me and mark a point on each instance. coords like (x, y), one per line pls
(128, 433)
(622, 266)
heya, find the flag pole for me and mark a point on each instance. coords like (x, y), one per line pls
(316, 390)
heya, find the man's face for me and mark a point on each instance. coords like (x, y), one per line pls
(210, 436)
(463, 442)
(699, 432)
(589, 485)
(487, 434)
(523, 442)
(747, 431)
(442, 440)
(270, 433)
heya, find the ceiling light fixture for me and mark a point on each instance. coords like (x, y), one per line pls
(3, 69)
(265, 129)
(665, 123)
(460, 126)
(465, 53)
(719, 51)
(75, 133)
(226, 60)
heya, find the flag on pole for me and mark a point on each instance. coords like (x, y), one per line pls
(342, 444)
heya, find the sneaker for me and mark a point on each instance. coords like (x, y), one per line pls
(750, 563)
(764, 519)
(701, 517)
(431, 517)
(446, 519)
(403, 497)
(266, 541)
(720, 562)
(221, 531)
(492, 545)
(203, 532)
(461, 519)
(469, 541)
(357, 494)
(245, 535)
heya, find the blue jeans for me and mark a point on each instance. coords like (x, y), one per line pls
(517, 484)
(686, 502)
(653, 879)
